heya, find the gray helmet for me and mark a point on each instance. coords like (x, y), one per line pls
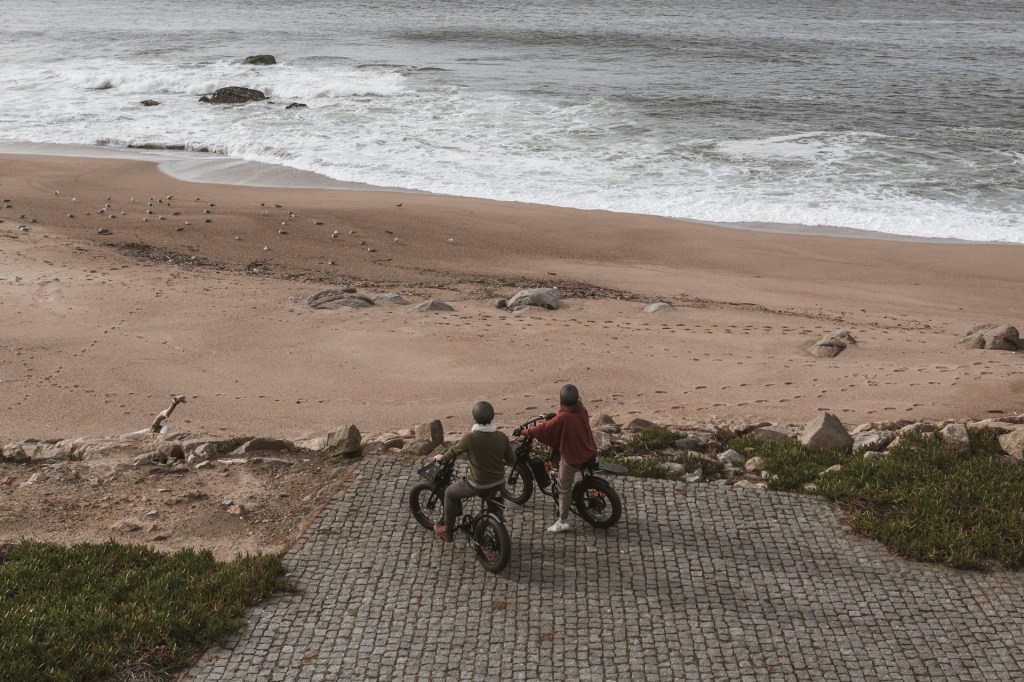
(483, 412)
(569, 395)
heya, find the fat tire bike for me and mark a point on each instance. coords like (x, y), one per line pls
(593, 498)
(485, 530)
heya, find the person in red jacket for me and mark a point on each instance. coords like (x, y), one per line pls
(569, 433)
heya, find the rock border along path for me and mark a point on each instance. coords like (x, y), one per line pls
(696, 582)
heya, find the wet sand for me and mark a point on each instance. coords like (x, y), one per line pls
(97, 330)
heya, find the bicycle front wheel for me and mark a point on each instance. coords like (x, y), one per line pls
(519, 485)
(493, 544)
(426, 507)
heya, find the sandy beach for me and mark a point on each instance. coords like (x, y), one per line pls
(97, 330)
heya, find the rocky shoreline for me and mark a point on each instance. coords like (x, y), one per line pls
(180, 452)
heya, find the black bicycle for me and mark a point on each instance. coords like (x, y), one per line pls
(485, 530)
(593, 498)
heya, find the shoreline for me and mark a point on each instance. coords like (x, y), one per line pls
(100, 328)
(204, 167)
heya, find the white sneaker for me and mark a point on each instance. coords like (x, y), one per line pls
(559, 527)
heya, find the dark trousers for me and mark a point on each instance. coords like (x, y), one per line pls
(453, 497)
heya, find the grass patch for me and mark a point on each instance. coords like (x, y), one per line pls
(922, 499)
(82, 612)
(790, 463)
(651, 439)
(642, 467)
(931, 504)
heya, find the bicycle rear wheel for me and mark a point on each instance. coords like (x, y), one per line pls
(426, 507)
(597, 502)
(493, 544)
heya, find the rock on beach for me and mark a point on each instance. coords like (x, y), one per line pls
(826, 433)
(993, 337)
(545, 297)
(431, 305)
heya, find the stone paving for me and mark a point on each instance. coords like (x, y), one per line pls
(695, 583)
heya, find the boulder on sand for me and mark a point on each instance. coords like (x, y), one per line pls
(345, 441)
(833, 344)
(350, 301)
(331, 299)
(544, 297)
(993, 337)
(431, 304)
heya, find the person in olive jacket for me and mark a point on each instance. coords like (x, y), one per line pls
(489, 450)
(569, 433)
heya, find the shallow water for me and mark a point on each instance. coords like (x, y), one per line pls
(896, 117)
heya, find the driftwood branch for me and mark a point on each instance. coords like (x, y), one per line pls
(158, 422)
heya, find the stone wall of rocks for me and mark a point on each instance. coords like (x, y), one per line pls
(179, 452)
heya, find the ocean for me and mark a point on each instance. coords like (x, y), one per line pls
(897, 116)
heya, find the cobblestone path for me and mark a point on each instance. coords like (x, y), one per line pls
(696, 582)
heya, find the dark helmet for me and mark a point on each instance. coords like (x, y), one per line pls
(569, 395)
(483, 412)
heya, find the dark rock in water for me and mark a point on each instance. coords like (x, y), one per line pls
(149, 103)
(261, 60)
(160, 145)
(297, 105)
(233, 95)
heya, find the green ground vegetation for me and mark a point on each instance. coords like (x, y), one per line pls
(921, 498)
(86, 612)
(651, 439)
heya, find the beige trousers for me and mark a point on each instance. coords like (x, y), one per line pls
(566, 477)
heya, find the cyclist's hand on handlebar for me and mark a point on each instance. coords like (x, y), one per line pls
(438, 459)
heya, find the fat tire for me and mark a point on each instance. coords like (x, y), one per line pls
(493, 544)
(583, 497)
(520, 475)
(426, 507)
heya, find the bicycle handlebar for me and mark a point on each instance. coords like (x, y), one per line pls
(540, 418)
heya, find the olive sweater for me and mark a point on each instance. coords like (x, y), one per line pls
(489, 454)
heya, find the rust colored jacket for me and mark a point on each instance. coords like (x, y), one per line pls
(569, 433)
